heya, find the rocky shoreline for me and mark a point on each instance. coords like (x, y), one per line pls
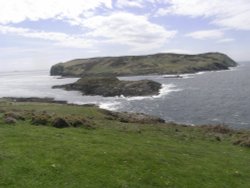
(124, 117)
(34, 99)
(42, 100)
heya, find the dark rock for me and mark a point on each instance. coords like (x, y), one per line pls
(57, 70)
(111, 86)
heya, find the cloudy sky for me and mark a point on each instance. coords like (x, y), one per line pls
(34, 34)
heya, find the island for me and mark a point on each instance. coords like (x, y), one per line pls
(112, 86)
(160, 64)
(98, 75)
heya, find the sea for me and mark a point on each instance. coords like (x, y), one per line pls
(215, 97)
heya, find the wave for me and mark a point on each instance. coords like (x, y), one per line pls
(165, 90)
(188, 75)
(201, 72)
(114, 105)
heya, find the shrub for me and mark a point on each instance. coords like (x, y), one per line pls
(10, 120)
(222, 129)
(40, 119)
(78, 122)
(60, 122)
(87, 124)
(243, 141)
(127, 117)
(14, 115)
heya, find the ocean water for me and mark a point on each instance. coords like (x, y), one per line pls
(203, 98)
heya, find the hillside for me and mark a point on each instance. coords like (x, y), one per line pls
(162, 63)
(98, 148)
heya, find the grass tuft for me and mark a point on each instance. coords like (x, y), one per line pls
(243, 141)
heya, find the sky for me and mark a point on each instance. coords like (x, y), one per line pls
(35, 34)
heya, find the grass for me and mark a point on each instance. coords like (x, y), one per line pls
(117, 154)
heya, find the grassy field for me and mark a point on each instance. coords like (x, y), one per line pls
(116, 154)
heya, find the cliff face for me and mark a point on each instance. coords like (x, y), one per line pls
(107, 87)
(143, 65)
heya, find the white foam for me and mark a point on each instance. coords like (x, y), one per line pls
(187, 76)
(82, 103)
(109, 105)
(201, 72)
(166, 89)
(138, 98)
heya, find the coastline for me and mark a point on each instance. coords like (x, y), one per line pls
(51, 101)
(116, 103)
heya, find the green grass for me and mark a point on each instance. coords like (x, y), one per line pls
(116, 154)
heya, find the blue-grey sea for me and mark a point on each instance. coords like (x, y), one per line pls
(203, 98)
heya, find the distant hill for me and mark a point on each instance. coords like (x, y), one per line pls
(162, 63)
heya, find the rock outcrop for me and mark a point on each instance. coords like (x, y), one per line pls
(111, 86)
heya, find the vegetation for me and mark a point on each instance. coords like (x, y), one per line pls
(113, 152)
(143, 65)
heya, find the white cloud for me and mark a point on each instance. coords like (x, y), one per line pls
(61, 39)
(128, 29)
(226, 13)
(226, 40)
(206, 34)
(162, 12)
(15, 11)
(133, 3)
(129, 3)
(178, 51)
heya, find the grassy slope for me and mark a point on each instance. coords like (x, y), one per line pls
(141, 65)
(116, 154)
